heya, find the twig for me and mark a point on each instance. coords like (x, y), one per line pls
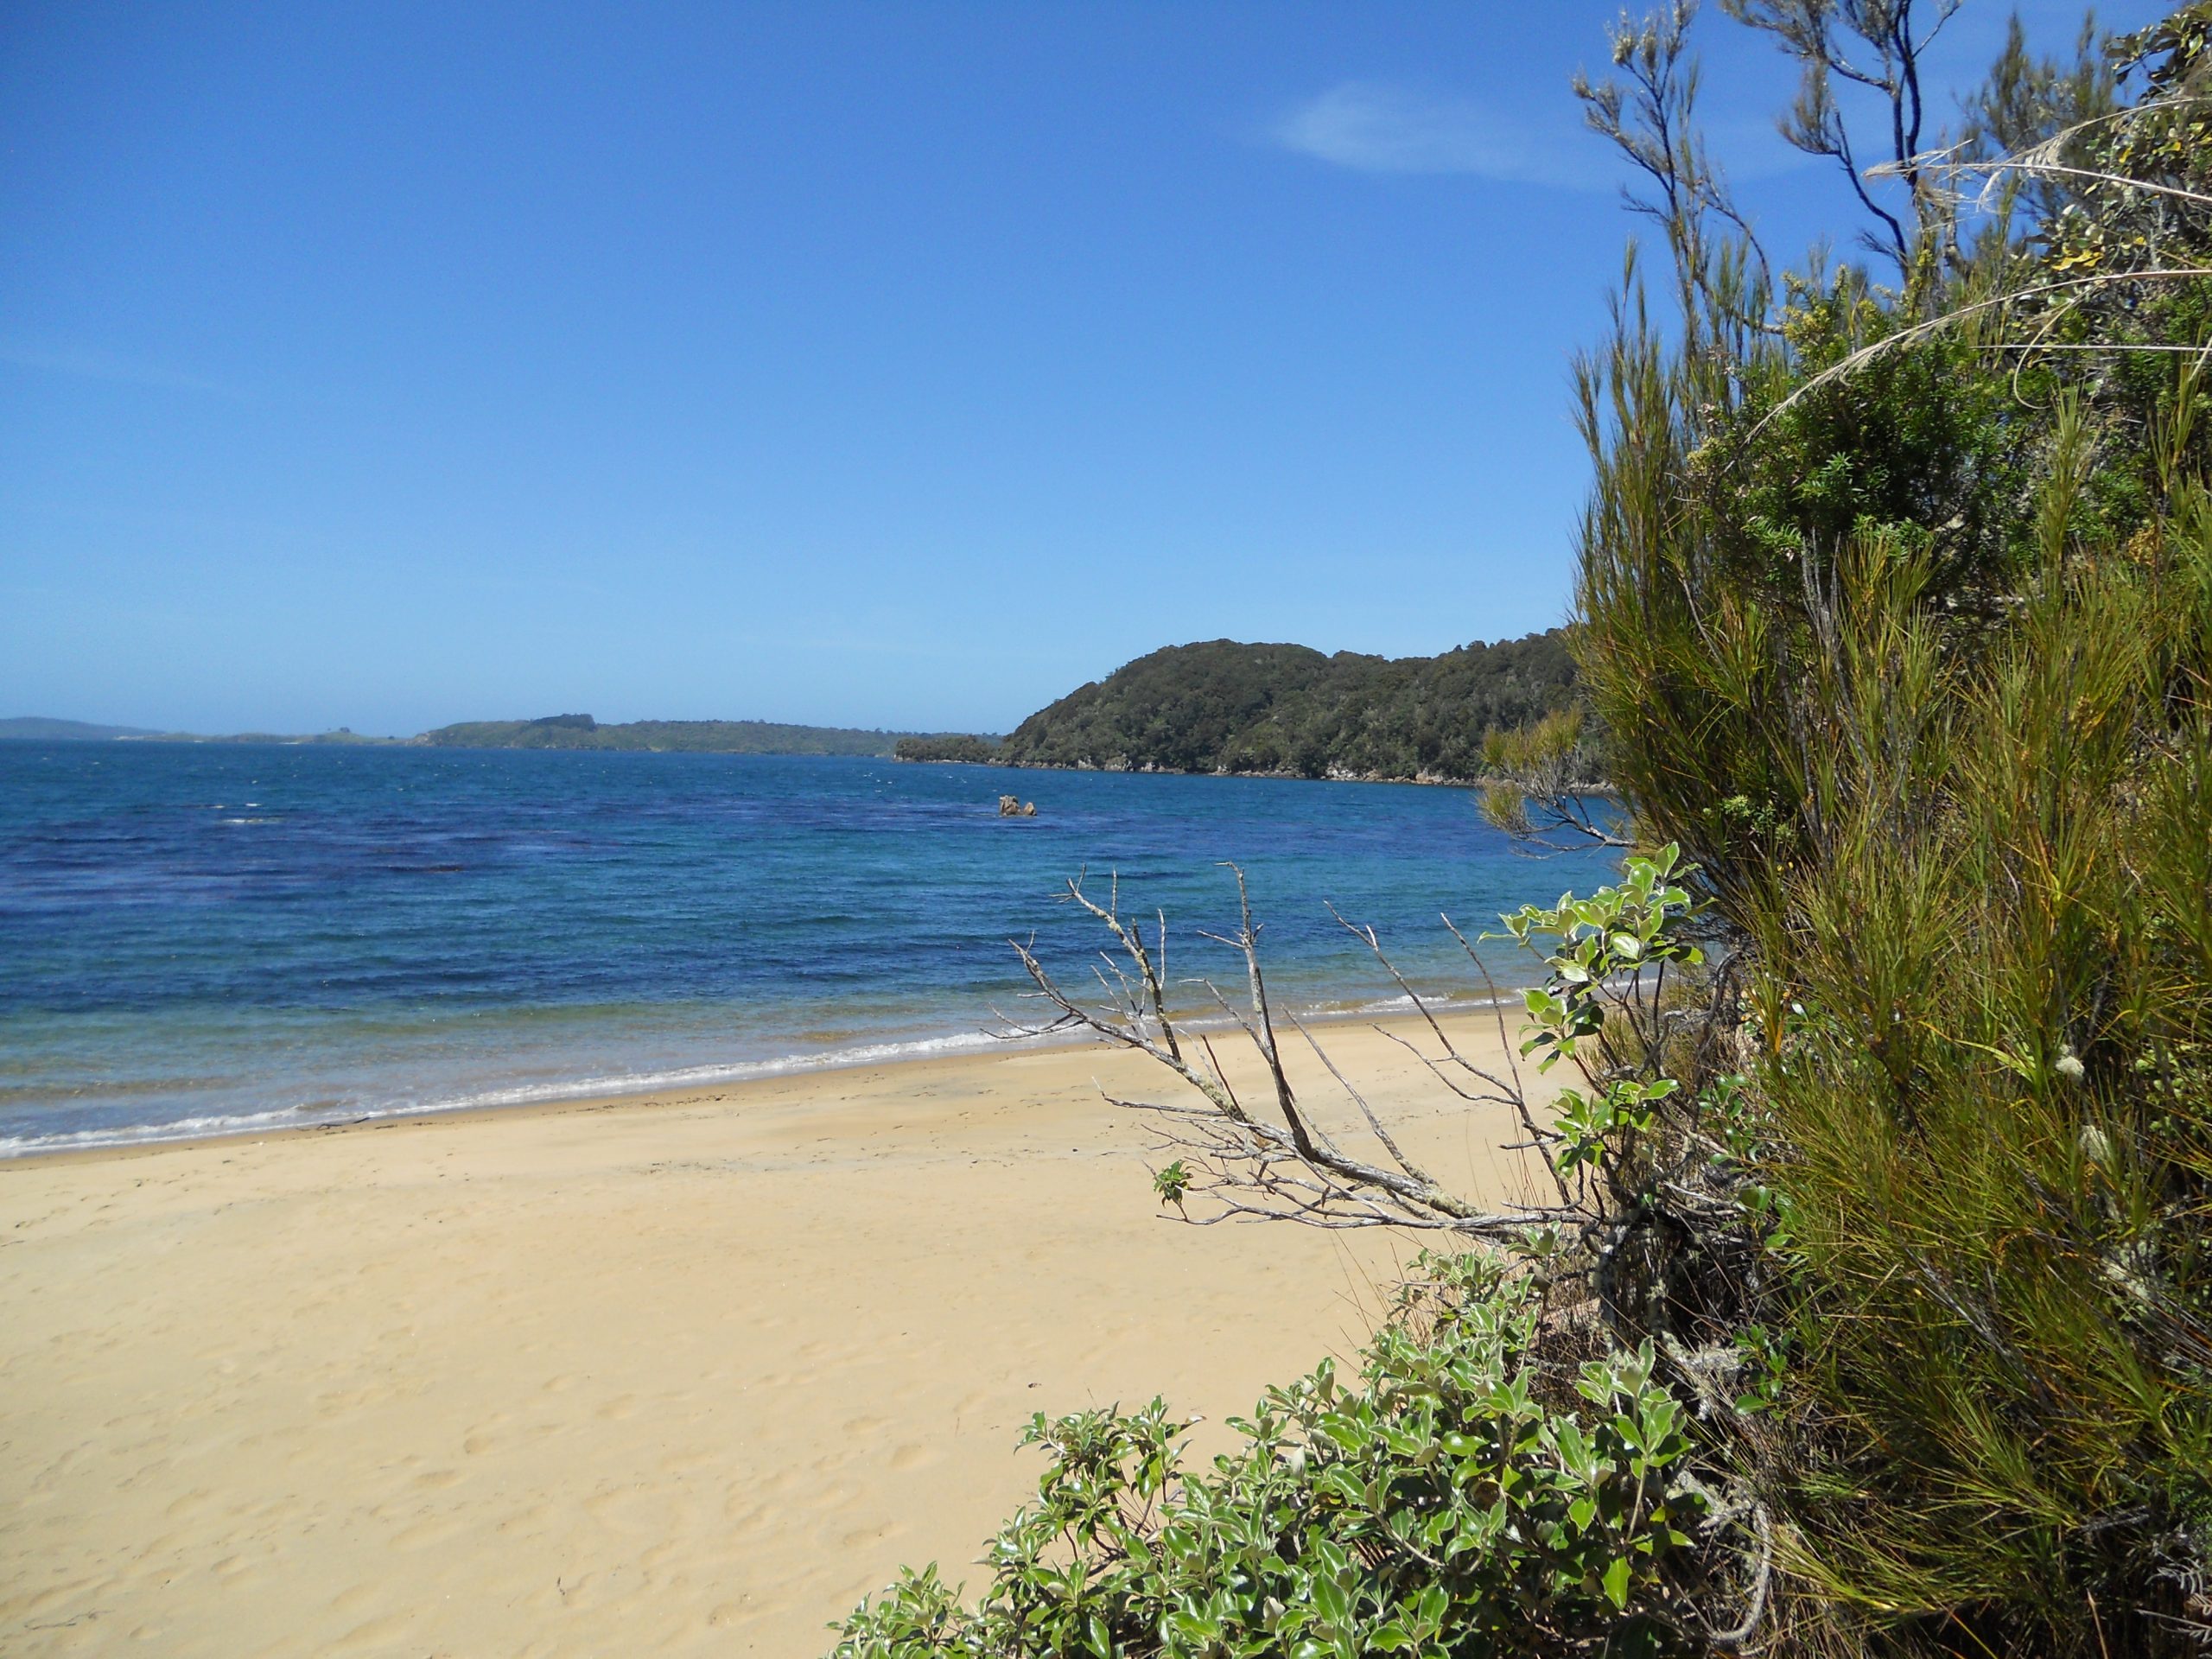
(1366, 1111)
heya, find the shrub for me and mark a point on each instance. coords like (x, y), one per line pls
(1473, 1493)
(1916, 662)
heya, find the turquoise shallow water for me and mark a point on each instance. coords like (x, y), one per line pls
(200, 938)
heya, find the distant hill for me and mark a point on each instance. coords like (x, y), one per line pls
(553, 732)
(1225, 707)
(38, 729)
(702, 736)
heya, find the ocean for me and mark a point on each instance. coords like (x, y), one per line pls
(209, 938)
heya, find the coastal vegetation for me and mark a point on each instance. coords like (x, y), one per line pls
(1288, 710)
(959, 746)
(1868, 1308)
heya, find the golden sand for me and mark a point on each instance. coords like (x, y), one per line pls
(686, 1374)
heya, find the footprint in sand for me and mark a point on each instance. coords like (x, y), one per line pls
(745, 1522)
(433, 1530)
(686, 1459)
(834, 1494)
(377, 1635)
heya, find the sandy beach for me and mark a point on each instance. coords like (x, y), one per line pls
(684, 1374)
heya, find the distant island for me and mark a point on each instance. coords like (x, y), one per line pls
(671, 736)
(38, 728)
(550, 732)
(1287, 711)
(44, 728)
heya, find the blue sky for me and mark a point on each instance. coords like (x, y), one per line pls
(898, 364)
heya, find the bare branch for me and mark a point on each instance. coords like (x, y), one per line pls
(1886, 61)
(1248, 1167)
(1247, 941)
(1133, 942)
(1512, 1092)
(1366, 1111)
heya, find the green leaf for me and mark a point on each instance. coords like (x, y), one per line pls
(1331, 1598)
(1616, 1582)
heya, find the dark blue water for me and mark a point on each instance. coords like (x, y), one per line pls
(196, 938)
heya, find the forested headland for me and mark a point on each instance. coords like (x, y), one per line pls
(1288, 710)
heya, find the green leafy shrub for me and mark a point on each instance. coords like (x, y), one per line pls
(1471, 1494)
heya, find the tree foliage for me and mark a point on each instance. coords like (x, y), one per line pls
(961, 748)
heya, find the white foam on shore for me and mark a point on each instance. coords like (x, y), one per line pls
(531, 1094)
(182, 1128)
(617, 1085)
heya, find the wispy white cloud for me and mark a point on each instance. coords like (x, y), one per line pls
(87, 364)
(1376, 127)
